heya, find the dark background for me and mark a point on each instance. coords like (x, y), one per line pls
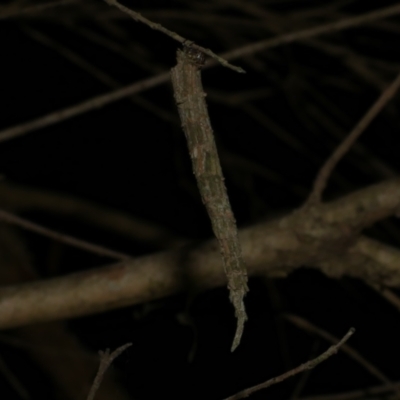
(274, 127)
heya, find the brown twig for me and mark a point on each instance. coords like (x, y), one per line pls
(34, 9)
(382, 392)
(81, 108)
(271, 249)
(18, 199)
(13, 380)
(312, 32)
(190, 98)
(60, 237)
(158, 27)
(303, 367)
(326, 170)
(108, 98)
(106, 358)
(92, 69)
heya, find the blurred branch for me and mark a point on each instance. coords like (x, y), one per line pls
(60, 237)
(326, 238)
(15, 11)
(66, 362)
(25, 199)
(326, 170)
(382, 392)
(312, 32)
(108, 98)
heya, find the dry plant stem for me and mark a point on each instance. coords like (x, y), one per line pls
(303, 367)
(60, 237)
(190, 98)
(324, 173)
(106, 358)
(138, 17)
(108, 98)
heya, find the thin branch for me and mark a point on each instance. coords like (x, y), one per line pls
(92, 69)
(326, 170)
(386, 293)
(13, 380)
(106, 358)
(60, 237)
(303, 367)
(190, 99)
(382, 391)
(108, 98)
(20, 199)
(158, 27)
(34, 9)
(312, 32)
(81, 108)
(307, 326)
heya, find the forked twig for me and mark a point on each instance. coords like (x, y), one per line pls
(326, 170)
(189, 96)
(308, 365)
(158, 27)
(106, 358)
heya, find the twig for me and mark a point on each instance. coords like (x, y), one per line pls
(312, 32)
(190, 98)
(19, 199)
(108, 98)
(90, 68)
(381, 391)
(158, 27)
(13, 380)
(266, 247)
(303, 367)
(386, 293)
(352, 353)
(35, 8)
(83, 107)
(326, 170)
(106, 358)
(60, 237)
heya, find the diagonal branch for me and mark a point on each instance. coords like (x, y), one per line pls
(329, 165)
(119, 94)
(158, 27)
(303, 367)
(61, 237)
(312, 32)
